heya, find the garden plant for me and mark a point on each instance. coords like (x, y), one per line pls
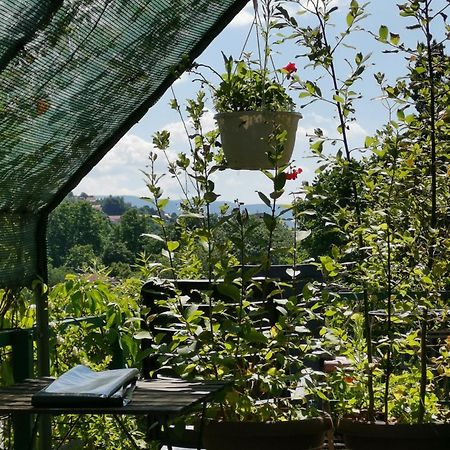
(374, 221)
(387, 275)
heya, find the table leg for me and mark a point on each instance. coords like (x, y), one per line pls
(201, 427)
(23, 431)
(45, 432)
(166, 430)
(68, 433)
(126, 432)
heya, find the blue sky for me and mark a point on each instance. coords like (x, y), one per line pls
(119, 172)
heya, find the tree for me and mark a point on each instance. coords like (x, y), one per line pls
(80, 256)
(116, 251)
(132, 226)
(256, 242)
(75, 222)
(114, 206)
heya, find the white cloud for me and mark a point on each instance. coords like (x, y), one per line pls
(244, 18)
(119, 173)
(356, 131)
(183, 79)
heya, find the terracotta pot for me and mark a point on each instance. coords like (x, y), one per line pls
(379, 435)
(306, 434)
(245, 137)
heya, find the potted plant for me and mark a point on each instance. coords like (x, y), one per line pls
(250, 105)
(251, 102)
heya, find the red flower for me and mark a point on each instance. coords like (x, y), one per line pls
(349, 380)
(293, 174)
(290, 68)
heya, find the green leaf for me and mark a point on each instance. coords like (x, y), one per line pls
(172, 245)
(269, 221)
(156, 237)
(317, 146)
(264, 198)
(369, 141)
(383, 33)
(394, 38)
(302, 235)
(142, 335)
(162, 203)
(255, 336)
(229, 290)
(379, 152)
(350, 19)
(279, 182)
(210, 197)
(410, 118)
(192, 215)
(308, 212)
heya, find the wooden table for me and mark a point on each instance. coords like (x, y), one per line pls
(161, 399)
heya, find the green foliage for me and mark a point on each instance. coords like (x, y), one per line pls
(75, 222)
(129, 231)
(227, 335)
(226, 342)
(389, 225)
(246, 89)
(114, 206)
(377, 227)
(80, 237)
(320, 211)
(87, 343)
(79, 257)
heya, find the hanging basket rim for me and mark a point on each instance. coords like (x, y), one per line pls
(257, 112)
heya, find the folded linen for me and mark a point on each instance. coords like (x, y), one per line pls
(82, 386)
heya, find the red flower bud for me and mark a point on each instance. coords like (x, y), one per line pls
(293, 174)
(290, 68)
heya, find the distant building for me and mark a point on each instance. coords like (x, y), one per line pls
(114, 219)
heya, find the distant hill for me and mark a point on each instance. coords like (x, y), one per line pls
(174, 205)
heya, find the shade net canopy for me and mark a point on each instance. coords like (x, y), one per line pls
(75, 75)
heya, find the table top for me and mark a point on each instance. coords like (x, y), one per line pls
(162, 397)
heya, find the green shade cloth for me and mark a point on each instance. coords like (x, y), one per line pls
(75, 75)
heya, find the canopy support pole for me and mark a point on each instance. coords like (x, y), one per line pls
(41, 298)
(42, 323)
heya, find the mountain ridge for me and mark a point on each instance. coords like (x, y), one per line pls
(173, 206)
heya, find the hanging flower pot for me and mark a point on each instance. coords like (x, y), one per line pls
(246, 137)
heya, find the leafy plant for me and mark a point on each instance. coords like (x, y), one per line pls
(243, 88)
(248, 330)
(248, 84)
(390, 254)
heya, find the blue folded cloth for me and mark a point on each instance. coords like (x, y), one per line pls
(82, 386)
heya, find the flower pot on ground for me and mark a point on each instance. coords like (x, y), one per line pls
(379, 435)
(308, 434)
(246, 137)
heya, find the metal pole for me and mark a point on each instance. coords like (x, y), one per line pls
(22, 364)
(42, 324)
(41, 298)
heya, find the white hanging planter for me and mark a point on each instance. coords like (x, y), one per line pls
(245, 137)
